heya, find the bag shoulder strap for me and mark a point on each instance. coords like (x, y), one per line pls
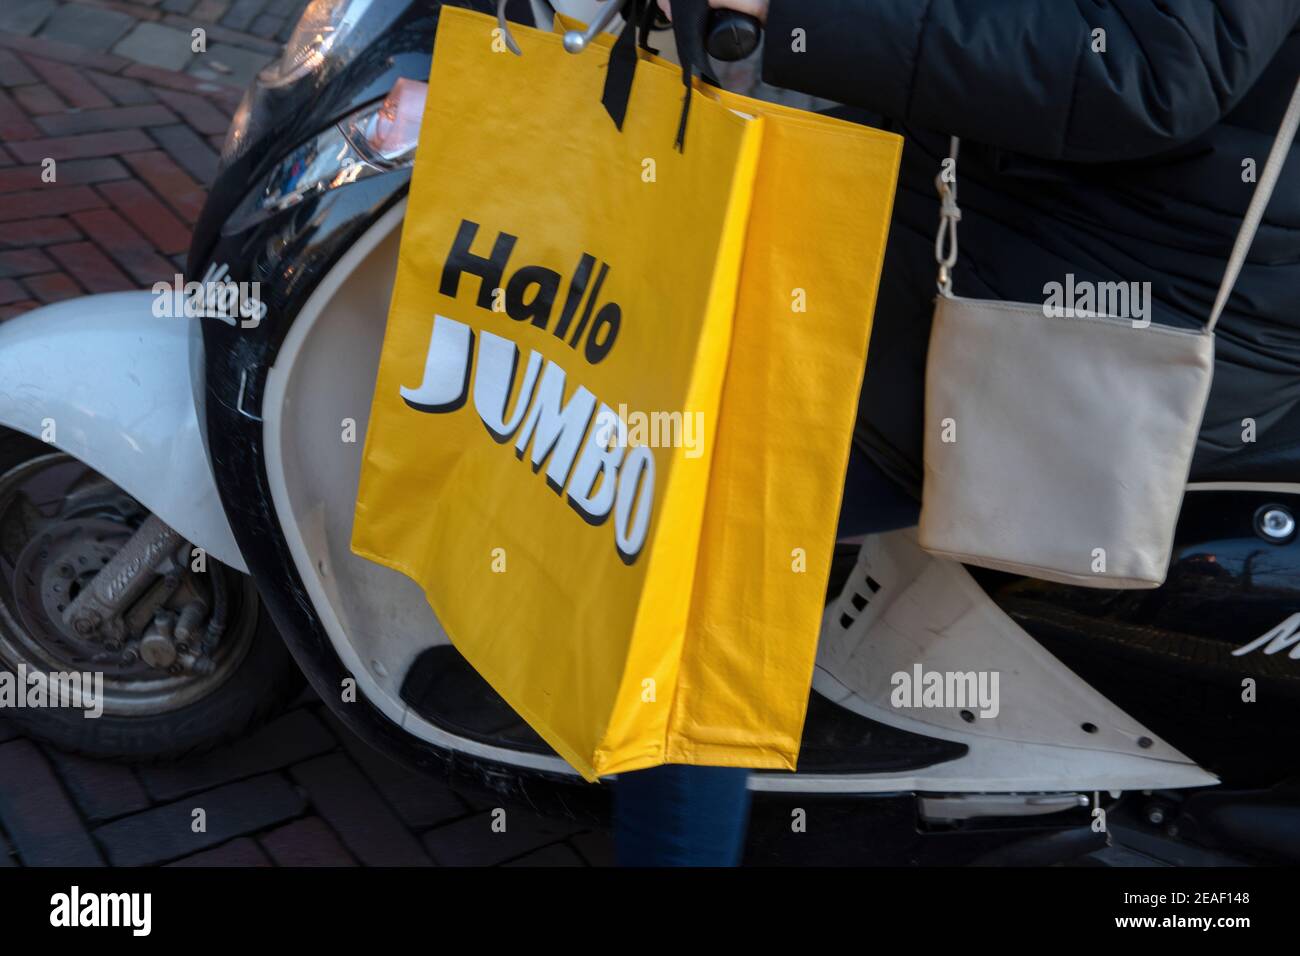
(945, 243)
(1255, 212)
(945, 247)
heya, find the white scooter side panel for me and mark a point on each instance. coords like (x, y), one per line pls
(906, 617)
(316, 408)
(106, 381)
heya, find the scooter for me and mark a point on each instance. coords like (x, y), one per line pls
(176, 499)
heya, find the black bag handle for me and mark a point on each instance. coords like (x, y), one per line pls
(698, 31)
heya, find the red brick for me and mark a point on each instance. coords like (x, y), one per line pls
(123, 91)
(109, 229)
(13, 71)
(71, 84)
(38, 232)
(170, 236)
(11, 291)
(90, 267)
(196, 111)
(97, 121)
(130, 250)
(38, 99)
(63, 52)
(296, 736)
(18, 308)
(169, 181)
(228, 98)
(50, 201)
(420, 802)
(247, 39)
(188, 150)
(132, 8)
(19, 178)
(241, 853)
(71, 172)
(354, 809)
(174, 81)
(306, 842)
(13, 121)
(164, 833)
(24, 262)
(472, 842)
(76, 147)
(37, 815)
(101, 790)
(211, 10)
(52, 287)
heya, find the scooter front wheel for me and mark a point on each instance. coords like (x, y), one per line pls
(187, 660)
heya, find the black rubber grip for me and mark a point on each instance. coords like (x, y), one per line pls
(732, 35)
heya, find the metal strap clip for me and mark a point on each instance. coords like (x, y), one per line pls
(575, 41)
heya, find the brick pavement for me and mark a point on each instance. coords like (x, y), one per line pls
(133, 120)
(109, 99)
(300, 791)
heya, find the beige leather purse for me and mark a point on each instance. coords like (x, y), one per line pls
(1058, 445)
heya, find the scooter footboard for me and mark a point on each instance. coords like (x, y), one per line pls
(108, 382)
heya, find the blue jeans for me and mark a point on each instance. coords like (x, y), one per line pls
(679, 815)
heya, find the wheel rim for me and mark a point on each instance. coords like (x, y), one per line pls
(60, 522)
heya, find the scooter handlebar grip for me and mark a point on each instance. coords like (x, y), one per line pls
(731, 35)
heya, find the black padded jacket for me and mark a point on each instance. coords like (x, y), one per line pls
(1119, 164)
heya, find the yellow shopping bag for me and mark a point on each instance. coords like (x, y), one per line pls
(615, 398)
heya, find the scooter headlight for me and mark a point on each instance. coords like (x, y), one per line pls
(319, 34)
(373, 140)
(387, 135)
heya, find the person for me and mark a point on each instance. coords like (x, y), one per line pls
(1111, 142)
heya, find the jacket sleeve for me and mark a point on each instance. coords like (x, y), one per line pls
(1023, 74)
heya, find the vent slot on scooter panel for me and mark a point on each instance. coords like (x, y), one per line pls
(857, 598)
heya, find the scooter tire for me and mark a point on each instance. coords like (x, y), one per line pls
(264, 682)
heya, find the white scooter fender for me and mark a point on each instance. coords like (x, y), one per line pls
(105, 380)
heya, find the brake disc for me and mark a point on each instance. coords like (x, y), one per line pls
(51, 570)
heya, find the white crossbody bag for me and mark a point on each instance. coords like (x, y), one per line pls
(1059, 447)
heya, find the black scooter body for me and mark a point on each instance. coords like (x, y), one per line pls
(289, 253)
(1104, 636)
(1171, 657)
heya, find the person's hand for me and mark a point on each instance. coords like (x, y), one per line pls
(755, 8)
